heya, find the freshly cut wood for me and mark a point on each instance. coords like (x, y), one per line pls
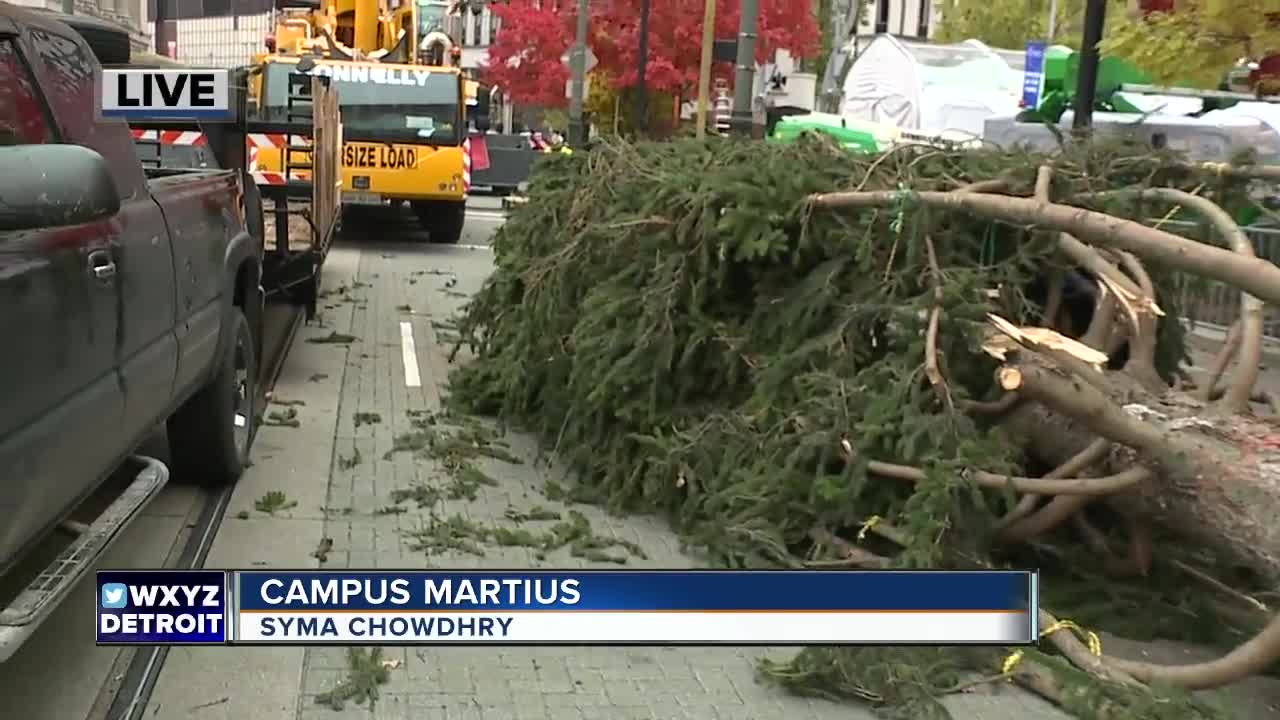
(1216, 477)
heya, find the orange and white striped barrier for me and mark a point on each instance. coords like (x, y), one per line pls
(254, 142)
(171, 137)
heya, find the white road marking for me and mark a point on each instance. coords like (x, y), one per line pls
(487, 216)
(411, 376)
(475, 247)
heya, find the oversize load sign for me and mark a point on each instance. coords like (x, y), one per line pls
(144, 94)
(386, 157)
(162, 607)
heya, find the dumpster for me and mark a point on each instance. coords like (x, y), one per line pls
(510, 162)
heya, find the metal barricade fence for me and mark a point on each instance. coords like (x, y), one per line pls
(1211, 303)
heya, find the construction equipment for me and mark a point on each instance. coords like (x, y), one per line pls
(403, 100)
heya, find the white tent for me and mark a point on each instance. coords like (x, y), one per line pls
(945, 90)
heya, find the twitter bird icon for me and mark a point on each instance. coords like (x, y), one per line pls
(115, 595)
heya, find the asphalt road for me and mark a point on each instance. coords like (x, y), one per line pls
(60, 674)
(484, 215)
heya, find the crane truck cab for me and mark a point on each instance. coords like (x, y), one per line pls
(403, 101)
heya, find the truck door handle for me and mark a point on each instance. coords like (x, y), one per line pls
(101, 265)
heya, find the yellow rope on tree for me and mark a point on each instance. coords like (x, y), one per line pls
(866, 527)
(1091, 639)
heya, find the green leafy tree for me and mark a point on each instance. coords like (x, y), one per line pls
(1011, 23)
(1196, 41)
(1006, 23)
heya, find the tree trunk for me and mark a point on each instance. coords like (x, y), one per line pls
(1216, 477)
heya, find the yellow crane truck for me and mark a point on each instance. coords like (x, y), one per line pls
(403, 101)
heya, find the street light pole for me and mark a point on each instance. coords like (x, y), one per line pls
(577, 87)
(1095, 15)
(642, 100)
(744, 79)
(704, 71)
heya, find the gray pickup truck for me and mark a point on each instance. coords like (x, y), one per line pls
(129, 299)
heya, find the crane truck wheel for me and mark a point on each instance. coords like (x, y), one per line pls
(443, 220)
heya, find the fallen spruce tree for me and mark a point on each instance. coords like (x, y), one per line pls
(924, 358)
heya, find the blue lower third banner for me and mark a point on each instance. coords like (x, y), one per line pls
(634, 608)
(162, 607)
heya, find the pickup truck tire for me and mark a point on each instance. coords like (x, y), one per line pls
(211, 433)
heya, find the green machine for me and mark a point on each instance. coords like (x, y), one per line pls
(1115, 77)
(852, 135)
(1061, 75)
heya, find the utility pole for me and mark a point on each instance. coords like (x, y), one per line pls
(642, 99)
(577, 129)
(704, 71)
(1053, 18)
(744, 79)
(1095, 16)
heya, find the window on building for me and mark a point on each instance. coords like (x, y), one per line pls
(216, 8)
(24, 119)
(882, 16)
(475, 21)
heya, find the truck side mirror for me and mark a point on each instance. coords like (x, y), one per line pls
(61, 185)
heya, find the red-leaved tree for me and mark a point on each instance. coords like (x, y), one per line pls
(524, 60)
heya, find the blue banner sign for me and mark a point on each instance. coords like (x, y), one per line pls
(636, 591)
(1033, 74)
(584, 607)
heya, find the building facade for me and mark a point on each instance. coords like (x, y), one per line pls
(475, 27)
(213, 33)
(227, 33)
(904, 18)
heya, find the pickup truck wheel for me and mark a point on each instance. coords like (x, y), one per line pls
(210, 435)
(446, 226)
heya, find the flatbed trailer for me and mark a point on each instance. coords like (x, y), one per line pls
(299, 217)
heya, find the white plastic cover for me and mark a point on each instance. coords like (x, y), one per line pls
(1268, 113)
(1206, 139)
(1162, 104)
(882, 86)
(939, 89)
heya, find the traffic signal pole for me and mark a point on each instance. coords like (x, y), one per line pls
(745, 77)
(1095, 16)
(577, 87)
